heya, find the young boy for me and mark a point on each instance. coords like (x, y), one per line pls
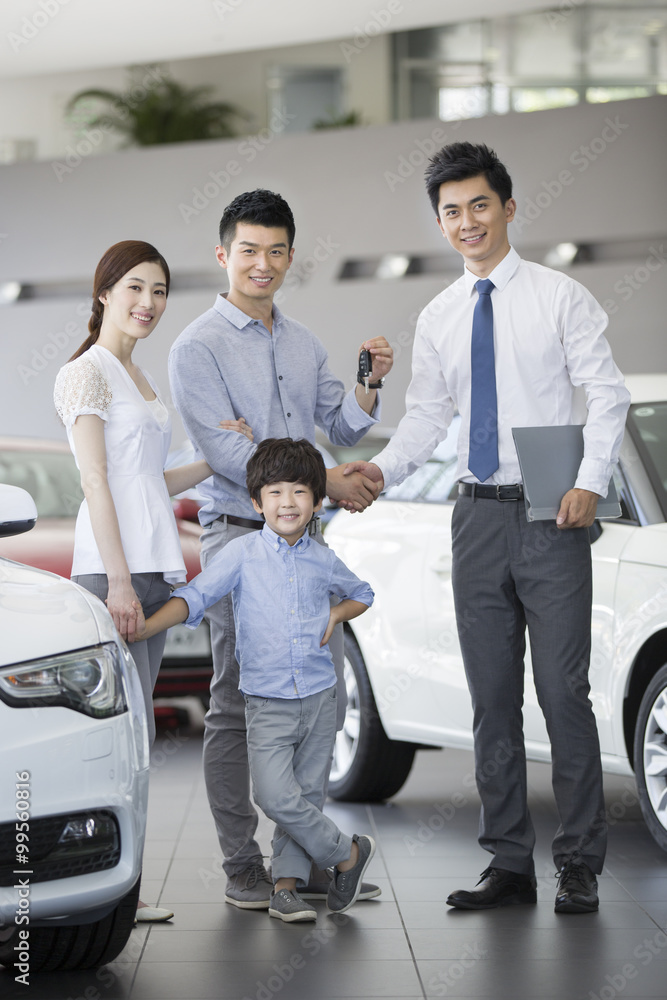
(280, 581)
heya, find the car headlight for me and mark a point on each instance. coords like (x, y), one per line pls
(86, 680)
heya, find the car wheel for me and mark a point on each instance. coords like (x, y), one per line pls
(367, 766)
(84, 946)
(651, 757)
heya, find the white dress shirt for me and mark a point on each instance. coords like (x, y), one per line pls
(137, 434)
(548, 340)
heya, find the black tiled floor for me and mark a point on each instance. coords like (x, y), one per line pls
(405, 945)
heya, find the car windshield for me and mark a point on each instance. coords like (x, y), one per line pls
(50, 477)
(648, 426)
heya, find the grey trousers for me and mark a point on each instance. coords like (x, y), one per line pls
(290, 742)
(507, 574)
(225, 754)
(153, 592)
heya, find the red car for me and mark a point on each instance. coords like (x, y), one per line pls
(46, 469)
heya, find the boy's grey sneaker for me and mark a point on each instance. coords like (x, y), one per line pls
(250, 889)
(346, 886)
(318, 887)
(289, 906)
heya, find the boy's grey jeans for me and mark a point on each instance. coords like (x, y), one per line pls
(226, 770)
(290, 742)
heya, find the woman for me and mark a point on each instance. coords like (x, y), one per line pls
(126, 548)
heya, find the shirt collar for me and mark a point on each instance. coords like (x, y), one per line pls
(238, 318)
(500, 275)
(277, 541)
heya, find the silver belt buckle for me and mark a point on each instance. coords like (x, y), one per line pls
(505, 499)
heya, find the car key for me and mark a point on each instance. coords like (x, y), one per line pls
(365, 368)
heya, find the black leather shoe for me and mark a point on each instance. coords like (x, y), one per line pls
(496, 887)
(577, 889)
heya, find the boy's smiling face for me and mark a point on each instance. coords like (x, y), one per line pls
(287, 509)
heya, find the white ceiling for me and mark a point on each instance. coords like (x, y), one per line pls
(50, 36)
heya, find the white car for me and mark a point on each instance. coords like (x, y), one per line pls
(406, 684)
(75, 764)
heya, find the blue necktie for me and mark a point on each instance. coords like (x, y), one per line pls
(483, 448)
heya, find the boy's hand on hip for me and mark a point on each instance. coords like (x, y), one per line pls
(333, 621)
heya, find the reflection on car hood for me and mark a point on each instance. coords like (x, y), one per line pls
(647, 545)
(43, 615)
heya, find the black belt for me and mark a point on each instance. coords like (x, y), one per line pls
(242, 522)
(514, 492)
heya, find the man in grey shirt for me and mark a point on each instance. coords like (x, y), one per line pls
(244, 360)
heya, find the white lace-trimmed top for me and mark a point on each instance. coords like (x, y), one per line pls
(137, 435)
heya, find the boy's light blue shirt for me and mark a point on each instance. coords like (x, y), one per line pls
(227, 365)
(280, 595)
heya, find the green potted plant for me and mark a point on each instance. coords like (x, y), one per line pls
(158, 111)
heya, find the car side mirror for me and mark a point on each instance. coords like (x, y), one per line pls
(17, 511)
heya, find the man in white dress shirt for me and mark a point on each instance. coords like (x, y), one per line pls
(545, 339)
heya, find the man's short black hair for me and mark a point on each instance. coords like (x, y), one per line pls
(460, 160)
(283, 460)
(258, 208)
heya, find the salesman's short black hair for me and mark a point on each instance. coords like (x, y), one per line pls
(257, 208)
(460, 160)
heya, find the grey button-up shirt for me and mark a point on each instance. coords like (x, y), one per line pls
(226, 365)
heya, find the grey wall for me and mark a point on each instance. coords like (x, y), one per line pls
(355, 193)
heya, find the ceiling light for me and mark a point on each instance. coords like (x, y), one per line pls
(9, 292)
(392, 265)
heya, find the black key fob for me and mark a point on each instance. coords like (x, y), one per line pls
(365, 364)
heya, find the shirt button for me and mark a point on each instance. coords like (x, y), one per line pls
(293, 640)
(292, 611)
(289, 414)
(280, 378)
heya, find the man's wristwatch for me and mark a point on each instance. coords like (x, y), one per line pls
(371, 385)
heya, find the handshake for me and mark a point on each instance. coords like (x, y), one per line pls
(354, 485)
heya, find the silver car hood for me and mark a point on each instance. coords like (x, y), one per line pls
(42, 614)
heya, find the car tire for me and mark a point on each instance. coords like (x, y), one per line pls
(84, 946)
(650, 757)
(367, 766)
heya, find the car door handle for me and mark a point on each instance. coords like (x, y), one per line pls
(442, 563)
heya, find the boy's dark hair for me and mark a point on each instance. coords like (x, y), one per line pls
(460, 160)
(283, 460)
(258, 208)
